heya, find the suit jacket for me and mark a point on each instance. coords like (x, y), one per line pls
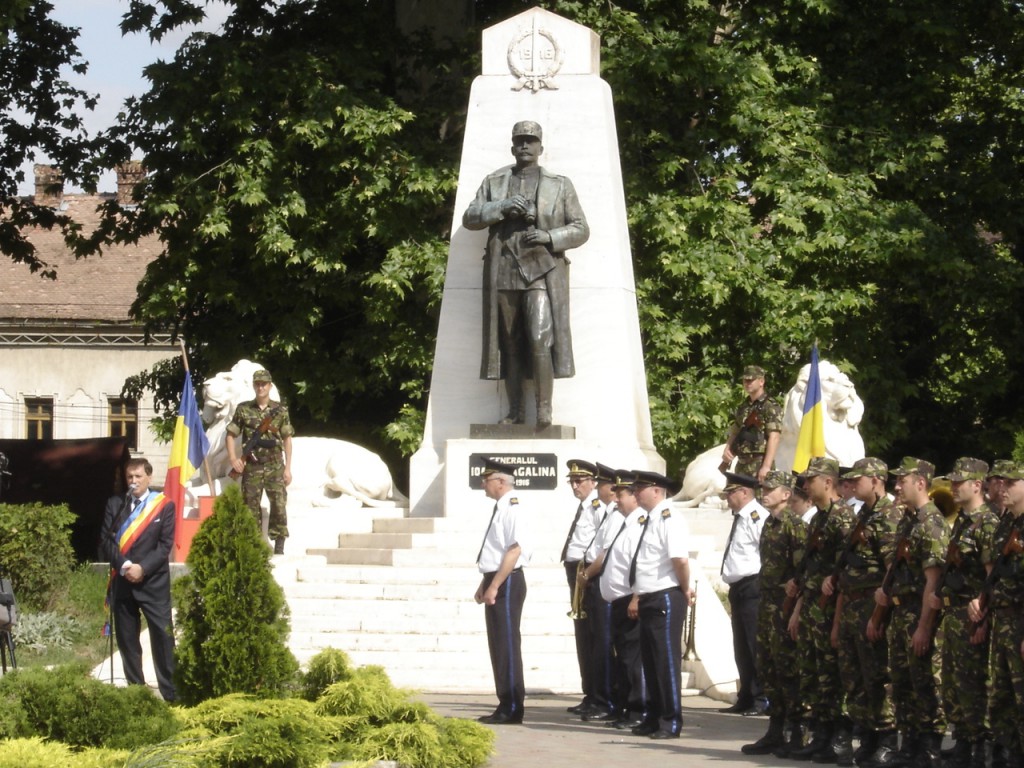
(559, 214)
(151, 550)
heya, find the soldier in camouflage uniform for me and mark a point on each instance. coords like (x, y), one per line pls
(1005, 613)
(965, 646)
(820, 689)
(864, 664)
(268, 465)
(756, 429)
(913, 649)
(782, 549)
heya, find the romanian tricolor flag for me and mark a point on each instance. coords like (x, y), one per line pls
(188, 448)
(811, 441)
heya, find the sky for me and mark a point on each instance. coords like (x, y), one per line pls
(115, 64)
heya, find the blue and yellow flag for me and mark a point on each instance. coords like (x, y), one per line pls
(811, 441)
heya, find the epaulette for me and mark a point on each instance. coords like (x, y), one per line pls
(595, 504)
(755, 516)
(513, 502)
(666, 513)
(641, 520)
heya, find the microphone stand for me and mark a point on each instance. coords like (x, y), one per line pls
(125, 506)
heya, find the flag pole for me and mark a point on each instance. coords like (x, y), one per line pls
(210, 479)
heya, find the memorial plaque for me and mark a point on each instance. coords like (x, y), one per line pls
(533, 471)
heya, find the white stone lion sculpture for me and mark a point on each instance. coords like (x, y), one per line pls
(843, 413)
(321, 466)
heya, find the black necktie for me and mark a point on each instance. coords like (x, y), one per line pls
(597, 532)
(481, 552)
(632, 564)
(572, 530)
(604, 563)
(728, 543)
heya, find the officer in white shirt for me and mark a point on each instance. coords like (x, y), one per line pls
(617, 543)
(741, 567)
(660, 578)
(505, 549)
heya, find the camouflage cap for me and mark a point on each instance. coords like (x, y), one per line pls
(912, 466)
(1000, 467)
(1013, 470)
(753, 372)
(527, 128)
(778, 479)
(821, 465)
(869, 466)
(262, 375)
(966, 468)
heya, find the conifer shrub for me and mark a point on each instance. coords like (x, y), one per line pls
(35, 551)
(65, 704)
(232, 615)
(37, 753)
(326, 668)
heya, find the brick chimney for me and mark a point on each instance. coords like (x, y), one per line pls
(129, 175)
(49, 186)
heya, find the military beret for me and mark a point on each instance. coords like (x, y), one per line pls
(912, 466)
(734, 480)
(753, 372)
(527, 128)
(646, 478)
(581, 468)
(966, 468)
(821, 465)
(262, 375)
(867, 467)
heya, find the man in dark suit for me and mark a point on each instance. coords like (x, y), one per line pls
(532, 216)
(137, 535)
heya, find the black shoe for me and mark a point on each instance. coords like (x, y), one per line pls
(627, 723)
(580, 708)
(661, 734)
(599, 716)
(753, 712)
(501, 718)
(644, 729)
(737, 709)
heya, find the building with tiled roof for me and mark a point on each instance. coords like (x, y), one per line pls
(68, 345)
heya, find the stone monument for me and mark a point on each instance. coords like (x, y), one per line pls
(538, 68)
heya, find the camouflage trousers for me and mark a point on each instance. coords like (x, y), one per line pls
(777, 657)
(964, 676)
(1006, 694)
(864, 666)
(258, 478)
(820, 689)
(915, 679)
(749, 464)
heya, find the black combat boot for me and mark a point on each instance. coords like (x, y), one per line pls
(821, 737)
(1014, 758)
(1000, 755)
(959, 756)
(794, 740)
(840, 746)
(868, 745)
(767, 743)
(979, 753)
(887, 754)
(929, 754)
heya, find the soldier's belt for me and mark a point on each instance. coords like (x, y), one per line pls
(859, 594)
(956, 601)
(907, 601)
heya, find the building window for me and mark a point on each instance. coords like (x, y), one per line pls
(124, 421)
(39, 418)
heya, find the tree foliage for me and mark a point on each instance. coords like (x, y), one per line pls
(40, 116)
(796, 170)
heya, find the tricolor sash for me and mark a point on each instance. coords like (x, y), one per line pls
(139, 521)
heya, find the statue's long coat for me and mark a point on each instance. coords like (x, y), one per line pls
(560, 215)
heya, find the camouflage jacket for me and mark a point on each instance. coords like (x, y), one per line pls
(1008, 588)
(751, 424)
(872, 547)
(246, 422)
(782, 549)
(926, 543)
(826, 535)
(971, 545)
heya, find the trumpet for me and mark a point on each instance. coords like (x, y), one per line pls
(690, 652)
(576, 606)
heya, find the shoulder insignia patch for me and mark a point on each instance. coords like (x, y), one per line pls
(513, 501)
(755, 516)
(595, 504)
(666, 513)
(642, 519)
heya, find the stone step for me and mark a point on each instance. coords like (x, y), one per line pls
(356, 595)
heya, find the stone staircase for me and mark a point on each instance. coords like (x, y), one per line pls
(398, 592)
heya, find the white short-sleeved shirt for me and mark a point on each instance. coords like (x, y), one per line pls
(509, 526)
(667, 539)
(602, 520)
(617, 557)
(585, 527)
(743, 557)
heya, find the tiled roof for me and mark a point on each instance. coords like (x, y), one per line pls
(97, 288)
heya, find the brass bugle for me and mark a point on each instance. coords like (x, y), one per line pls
(576, 605)
(690, 652)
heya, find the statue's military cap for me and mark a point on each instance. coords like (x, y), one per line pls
(528, 128)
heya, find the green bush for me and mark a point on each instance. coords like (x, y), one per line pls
(35, 549)
(36, 753)
(326, 668)
(260, 733)
(45, 630)
(232, 616)
(367, 693)
(65, 704)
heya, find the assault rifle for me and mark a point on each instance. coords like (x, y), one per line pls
(753, 420)
(813, 545)
(856, 537)
(250, 445)
(881, 613)
(1013, 546)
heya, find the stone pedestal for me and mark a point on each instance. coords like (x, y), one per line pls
(539, 66)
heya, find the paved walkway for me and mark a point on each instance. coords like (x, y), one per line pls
(552, 738)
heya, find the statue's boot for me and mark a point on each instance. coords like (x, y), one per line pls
(514, 392)
(544, 379)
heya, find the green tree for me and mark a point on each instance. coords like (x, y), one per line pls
(232, 616)
(40, 115)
